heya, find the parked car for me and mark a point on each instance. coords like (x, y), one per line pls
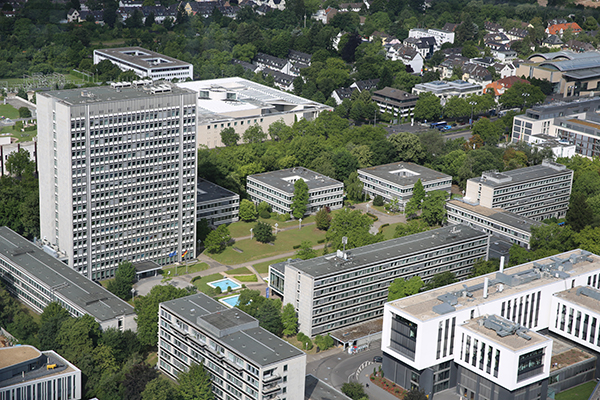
(377, 359)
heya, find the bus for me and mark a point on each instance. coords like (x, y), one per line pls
(434, 125)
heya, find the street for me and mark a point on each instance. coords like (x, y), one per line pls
(336, 368)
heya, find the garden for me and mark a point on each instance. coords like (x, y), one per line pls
(378, 379)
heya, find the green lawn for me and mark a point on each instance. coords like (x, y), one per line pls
(20, 136)
(8, 111)
(201, 283)
(388, 231)
(246, 278)
(181, 269)
(239, 271)
(581, 392)
(284, 242)
(241, 228)
(382, 209)
(263, 267)
(71, 77)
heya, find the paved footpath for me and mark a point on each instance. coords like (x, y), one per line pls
(382, 218)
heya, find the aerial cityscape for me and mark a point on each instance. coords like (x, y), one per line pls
(299, 200)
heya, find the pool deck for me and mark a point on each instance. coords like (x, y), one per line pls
(233, 284)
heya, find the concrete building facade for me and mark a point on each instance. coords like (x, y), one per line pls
(346, 288)
(118, 175)
(244, 360)
(445, 90)
(216, 204)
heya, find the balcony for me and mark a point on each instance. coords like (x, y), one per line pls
(271, 389)
(271, 378)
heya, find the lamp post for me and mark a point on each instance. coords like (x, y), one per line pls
(300, 223)
(276, 225)
(525, 96)
(472, 103)
(250, 233)
(344, 242)
(133, 294)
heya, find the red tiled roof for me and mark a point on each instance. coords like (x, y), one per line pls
(554, 29)
(504, 83)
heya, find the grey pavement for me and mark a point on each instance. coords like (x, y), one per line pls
(382, 218)
(374, 391)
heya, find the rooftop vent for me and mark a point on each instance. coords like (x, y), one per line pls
(504, 327)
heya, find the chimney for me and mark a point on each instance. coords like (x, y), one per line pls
(486, 282)
(502, 264)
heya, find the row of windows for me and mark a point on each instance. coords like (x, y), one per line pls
(523, 310)
(61, 388)
(475, 352)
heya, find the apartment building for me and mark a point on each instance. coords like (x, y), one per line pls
(118, 174)
(346, 288)
(485, 337)
(537, 192)
(397, 180)
(9, 145)
(216, 204)
(441, 36)
(37, 278)
(27, 373)
(445, 90)
(277, 189)
(244, 360)
(239, 104)
(495, 221)
(146, 63)
(396, 102)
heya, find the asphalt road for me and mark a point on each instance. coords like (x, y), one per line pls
(336, 368)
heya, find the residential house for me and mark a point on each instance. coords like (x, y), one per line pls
(505, 70)
(398, 103)
(559, 29)
(447, 67)
(476, 73)
(368, 84)
(492, 27)
(282, 80)
(517, 34)
(325, 15)
(341, 94)
(497, 37)
(275, 63)
(501, 85)
(441, 36)
(246, 65)
(425, 46)
(408, 55)
(351, 7)
(579, 46)
(298, 56)
(449, 27)
(552, 42)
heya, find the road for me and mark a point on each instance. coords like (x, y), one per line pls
(336, 368)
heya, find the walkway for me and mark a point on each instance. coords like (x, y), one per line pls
(382, 218)
(373, 391)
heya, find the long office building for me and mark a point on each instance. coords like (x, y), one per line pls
(244, 360)
(492, 337)
(346, 288)
(495, 221)
(37, 279)
(537, 192)
(27, 373)
(397, 181)
(276, 188)
(118, 174)
(216, 204)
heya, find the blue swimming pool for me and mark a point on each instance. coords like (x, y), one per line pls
(230, 301)
(224, 284)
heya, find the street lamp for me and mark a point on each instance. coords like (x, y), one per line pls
(250, 233)
(300, 223)
(133, 294)
(525, 96)
(276, 225)
(472, 103)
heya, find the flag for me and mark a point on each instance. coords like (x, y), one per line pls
(184, 254)
(173, 254)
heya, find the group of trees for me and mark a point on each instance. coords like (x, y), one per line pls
(124, 279)
(269, 312)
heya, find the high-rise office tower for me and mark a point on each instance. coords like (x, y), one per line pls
(118, 174)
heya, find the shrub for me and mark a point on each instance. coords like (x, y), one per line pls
(296, 246)
(283, 217)
(263, 232)
(321, 241)
(265, 214)
(218, 290)
(378, 201)
(228, 289)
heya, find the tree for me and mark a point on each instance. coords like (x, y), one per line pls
(269, 316)
(50, 321)
(378, 201)
(579, 214)
(77, 337)
(441, 279)
(247, 211)
(202, 230)
(354, 390)
(428, 107)
(482, 267)
(410, 228)
(254, 134)
(249, 301)
(24, 112)
(490, 132)
(217, 240)
(306, 251)
(408, 146)
(122, 284)
(263, 232)
(160, 389)
(195, 384)
(289, 319)
(323, 219)
(124, 343)
(18, 163)
(229, 137)
(354, 187)
(415, 394)
(146, 308)
(401, 287)
(355, 226)
(416, 201)
(522, 95)
(136, 379)
(300, 200)
(434, 210)
(552, 237)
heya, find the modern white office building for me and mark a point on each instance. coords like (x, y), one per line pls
(27, 373)
(37, 278)
(118, 174)
(244, 360)
(396, 181)
(216, 204)
(537, 192)
(239, 104)
(495, 221)
(146, 63)
(346, 288)
(487, 337)
(445, 90)
(277, 189)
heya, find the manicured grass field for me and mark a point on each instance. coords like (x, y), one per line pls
(581, 392)
(246, 278)
(202, 283)
(389, 230)
(263, 267)
(239, 271)
(181, 269)
(8, 111)
(242, 229)
(284, 242)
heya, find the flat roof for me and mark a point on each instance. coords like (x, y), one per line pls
(57, 277)
(513, 342)
(16, 355)
(108, 93)
(145, 266)
(421, 306)
(62, 367)
(255, 344)
(208, 191)
(284, 179)
(499, 215)
(516, 176)
(588, 298)
(316, 389)
(358, 331)
(404, 173)
(381, 252)
(142, 57)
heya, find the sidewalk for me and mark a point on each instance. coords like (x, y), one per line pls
(374, 391)
(382, 218)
